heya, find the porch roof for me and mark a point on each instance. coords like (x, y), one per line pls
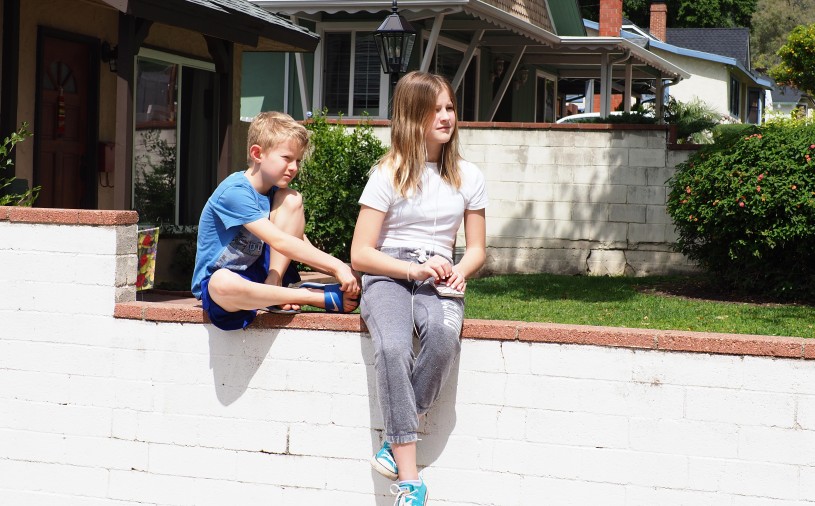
(506, 33)
(237, 21)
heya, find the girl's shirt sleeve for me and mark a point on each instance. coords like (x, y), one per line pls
(378, 193)
(476, 186)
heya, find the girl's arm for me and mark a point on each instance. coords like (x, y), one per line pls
(366, 258)
(475, 233)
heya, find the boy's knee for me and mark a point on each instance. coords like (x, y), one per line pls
(288, 200)
(224, 284)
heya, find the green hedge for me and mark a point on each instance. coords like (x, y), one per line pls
(331, 180)
(744, 208)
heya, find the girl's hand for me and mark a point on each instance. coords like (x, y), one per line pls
(437, 267)
(456, 280)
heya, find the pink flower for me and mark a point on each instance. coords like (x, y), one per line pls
(812, 146)
(741, 204)
(687, 190)
(760, 177)
(794, 187)
(758, 188)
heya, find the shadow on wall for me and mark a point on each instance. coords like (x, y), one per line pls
(235, 358)
(434, 429)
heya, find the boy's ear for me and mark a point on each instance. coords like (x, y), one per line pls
(255, 152)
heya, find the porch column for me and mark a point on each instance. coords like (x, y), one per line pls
(468, 56)
(605, 86)
(629, 77)
(432, 41)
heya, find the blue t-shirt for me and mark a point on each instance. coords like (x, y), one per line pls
(223, 242)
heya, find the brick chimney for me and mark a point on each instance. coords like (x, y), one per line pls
(611, 18)
(659, 19)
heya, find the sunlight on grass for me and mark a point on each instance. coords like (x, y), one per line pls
(625, 302)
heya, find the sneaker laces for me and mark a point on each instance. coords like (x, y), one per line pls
(402, 495)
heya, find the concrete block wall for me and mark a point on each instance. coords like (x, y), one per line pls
(575, 199)
(127, 403)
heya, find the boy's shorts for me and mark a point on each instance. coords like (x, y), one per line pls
(256, 273)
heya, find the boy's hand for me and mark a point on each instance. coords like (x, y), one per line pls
(349, 282)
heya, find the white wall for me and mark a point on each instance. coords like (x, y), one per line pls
(575, 201)
(104, 411)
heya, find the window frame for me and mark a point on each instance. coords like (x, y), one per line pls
(181, 61)
(319, 68)
(734, 96)
(548, 76)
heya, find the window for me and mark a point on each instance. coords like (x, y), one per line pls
(735, 98)
(545, 96)
(352, 75)
(754, 106)
(175, 152)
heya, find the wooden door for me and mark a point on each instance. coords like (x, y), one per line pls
(62, 163)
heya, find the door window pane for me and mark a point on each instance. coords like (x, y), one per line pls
(175, 141)
(338, 86)
(155, 140)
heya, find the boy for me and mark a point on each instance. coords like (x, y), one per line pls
(252, 227)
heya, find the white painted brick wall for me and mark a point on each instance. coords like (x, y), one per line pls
(605, 177)
(101, 411)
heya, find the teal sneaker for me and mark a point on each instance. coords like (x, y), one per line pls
(383, 462)
(410, 495)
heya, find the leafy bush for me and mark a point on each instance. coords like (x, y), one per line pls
(744, 208)
(332, 179)
(9, 196)
(692, 119)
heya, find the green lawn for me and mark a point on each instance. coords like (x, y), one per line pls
(627, 302)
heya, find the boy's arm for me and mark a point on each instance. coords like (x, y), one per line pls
(304, 252)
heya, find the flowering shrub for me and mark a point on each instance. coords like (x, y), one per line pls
(744, 208)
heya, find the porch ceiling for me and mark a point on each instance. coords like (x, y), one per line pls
(238, 21)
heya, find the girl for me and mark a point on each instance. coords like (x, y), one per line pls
(411, 208)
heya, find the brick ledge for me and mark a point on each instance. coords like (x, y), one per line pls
(651, 339)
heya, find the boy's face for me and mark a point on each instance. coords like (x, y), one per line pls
(279, 164)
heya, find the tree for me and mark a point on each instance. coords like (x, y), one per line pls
(771, 25)
(797, 60)
(684, 13)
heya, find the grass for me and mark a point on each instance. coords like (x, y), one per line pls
(630, 302)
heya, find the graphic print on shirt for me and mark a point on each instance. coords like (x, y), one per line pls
(241, 252)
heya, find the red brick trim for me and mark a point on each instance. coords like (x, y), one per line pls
(505, 125)
(67, 216)
(618, 337)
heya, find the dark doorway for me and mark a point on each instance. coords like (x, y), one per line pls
(65, 161)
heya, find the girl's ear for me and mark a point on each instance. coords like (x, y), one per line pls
(255, 152)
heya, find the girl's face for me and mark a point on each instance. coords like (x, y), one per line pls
(442, 122)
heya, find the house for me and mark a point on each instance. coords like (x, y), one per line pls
(113, 90)
(784, 100)
(509, 60)
(718, 60)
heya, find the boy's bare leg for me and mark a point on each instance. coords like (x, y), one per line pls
(288, 215)
(233, 293)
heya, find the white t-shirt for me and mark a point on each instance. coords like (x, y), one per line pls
(430, 217)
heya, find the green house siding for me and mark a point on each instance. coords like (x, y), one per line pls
(566, 18)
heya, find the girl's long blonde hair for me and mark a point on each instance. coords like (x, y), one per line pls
(414, 105)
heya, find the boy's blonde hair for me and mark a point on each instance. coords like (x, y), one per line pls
(268, 129)
(414, 105)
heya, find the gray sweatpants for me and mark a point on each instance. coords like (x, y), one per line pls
(408, 384)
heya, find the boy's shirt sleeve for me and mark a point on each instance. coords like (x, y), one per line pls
(239, 205)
